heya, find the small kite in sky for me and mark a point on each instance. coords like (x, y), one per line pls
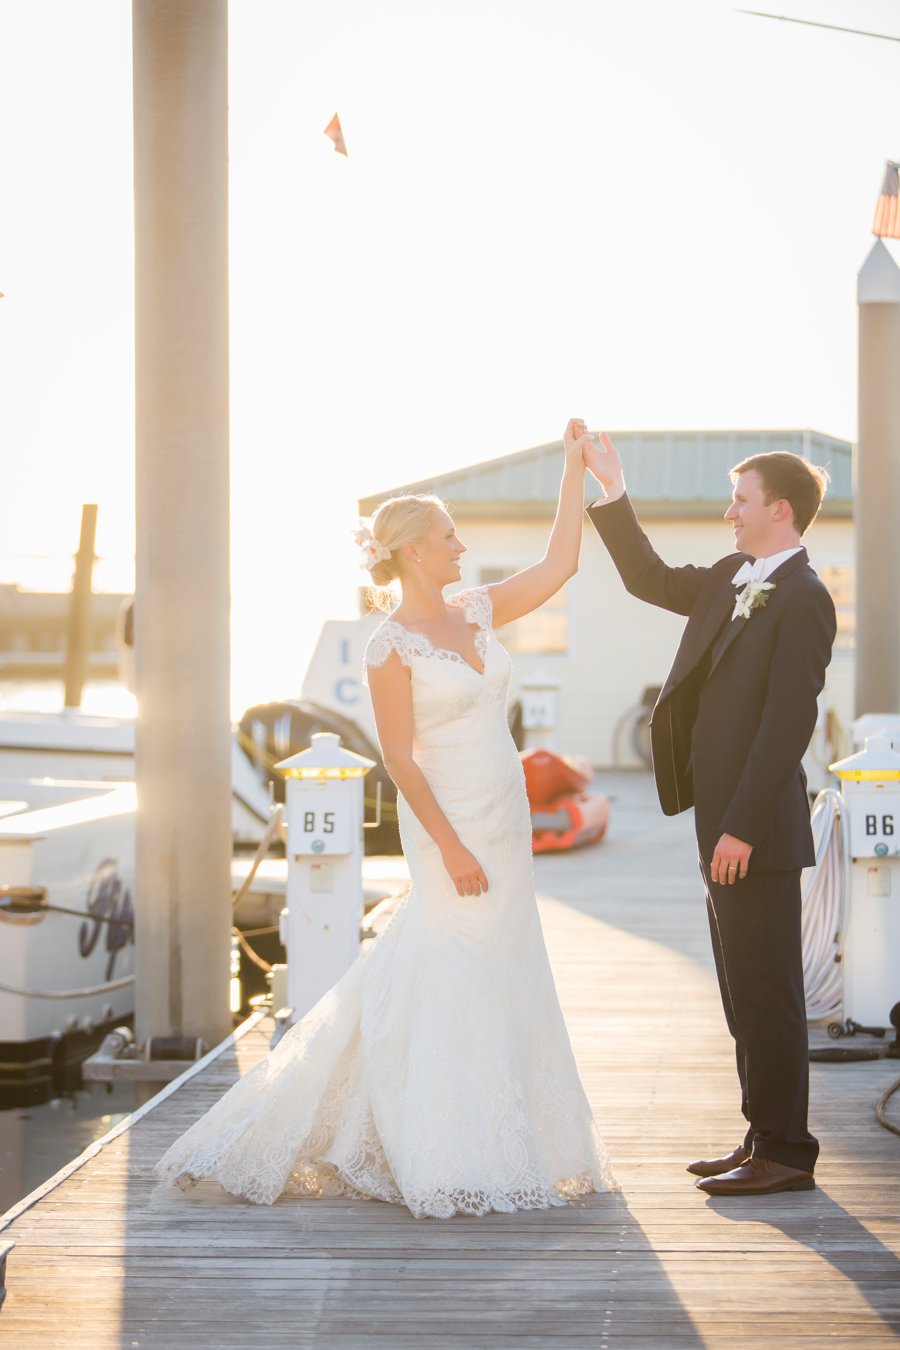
(887, 213)
(333, 130)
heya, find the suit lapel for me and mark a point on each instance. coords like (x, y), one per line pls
(737, 626)
(730, 636)
(790, 565)
(721, 606)
(696, 644)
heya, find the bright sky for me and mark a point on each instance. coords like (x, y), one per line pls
(647, 214)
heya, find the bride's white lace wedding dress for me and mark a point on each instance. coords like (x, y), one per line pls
(437, 1072)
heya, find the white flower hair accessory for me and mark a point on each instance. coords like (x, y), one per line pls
(371, 552)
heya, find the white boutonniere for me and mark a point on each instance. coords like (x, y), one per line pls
(754, 595)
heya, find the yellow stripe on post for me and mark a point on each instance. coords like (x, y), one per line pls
(325, 773)
(869, 775)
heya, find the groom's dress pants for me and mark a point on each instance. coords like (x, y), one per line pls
(755, 928)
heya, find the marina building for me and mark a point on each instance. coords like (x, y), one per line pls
(33, 633)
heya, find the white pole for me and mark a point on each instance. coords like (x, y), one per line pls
(540, 710)
(878, 487)
(181, 605)
(78, 638)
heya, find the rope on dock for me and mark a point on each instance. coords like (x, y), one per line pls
(69, 993)
(251, 955)
(881, 1109)
(274, 827)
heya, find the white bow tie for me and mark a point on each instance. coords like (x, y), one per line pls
(755, 571)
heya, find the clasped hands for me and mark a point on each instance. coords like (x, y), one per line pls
(603, 460)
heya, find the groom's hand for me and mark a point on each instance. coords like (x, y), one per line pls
(605, 464)
(730, 860)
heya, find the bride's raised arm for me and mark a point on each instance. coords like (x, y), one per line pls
(526, 590)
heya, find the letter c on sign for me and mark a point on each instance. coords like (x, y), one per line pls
(346, 690)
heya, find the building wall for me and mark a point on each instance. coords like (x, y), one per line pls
(619, 645)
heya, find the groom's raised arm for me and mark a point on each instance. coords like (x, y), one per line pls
(639, 565)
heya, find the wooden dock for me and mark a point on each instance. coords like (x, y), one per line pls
(100, 1261)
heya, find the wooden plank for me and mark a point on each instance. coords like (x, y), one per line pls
(102, 1260)
(5, 1249)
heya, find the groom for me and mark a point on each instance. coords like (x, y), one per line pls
(732, 723)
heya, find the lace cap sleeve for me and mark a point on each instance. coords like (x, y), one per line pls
(477, 605)
(388, 637)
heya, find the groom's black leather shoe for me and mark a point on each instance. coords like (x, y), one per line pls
(758, 1176)
(714, 1167)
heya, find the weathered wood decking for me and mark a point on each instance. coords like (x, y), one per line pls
(100, 1262)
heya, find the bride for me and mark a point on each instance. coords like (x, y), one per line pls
(437, 1073)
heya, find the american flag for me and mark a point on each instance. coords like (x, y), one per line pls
(887, 213)
(334, 131)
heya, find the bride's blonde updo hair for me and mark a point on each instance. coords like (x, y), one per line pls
(399, 521)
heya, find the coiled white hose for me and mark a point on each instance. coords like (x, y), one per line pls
(825, 888)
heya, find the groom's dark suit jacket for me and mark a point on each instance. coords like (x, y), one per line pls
(738, 708)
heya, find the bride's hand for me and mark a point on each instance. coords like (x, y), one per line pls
(465, 870)
(575, 440)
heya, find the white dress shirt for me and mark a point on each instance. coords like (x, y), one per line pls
(762, 568)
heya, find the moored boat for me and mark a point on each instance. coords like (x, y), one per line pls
(67, 927)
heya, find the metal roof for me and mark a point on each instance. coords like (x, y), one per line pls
(668, 473)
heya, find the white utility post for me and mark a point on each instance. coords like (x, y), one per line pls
(540, 710)
(182, 756)
(877, 509)
(324, 809)
(870, 786)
